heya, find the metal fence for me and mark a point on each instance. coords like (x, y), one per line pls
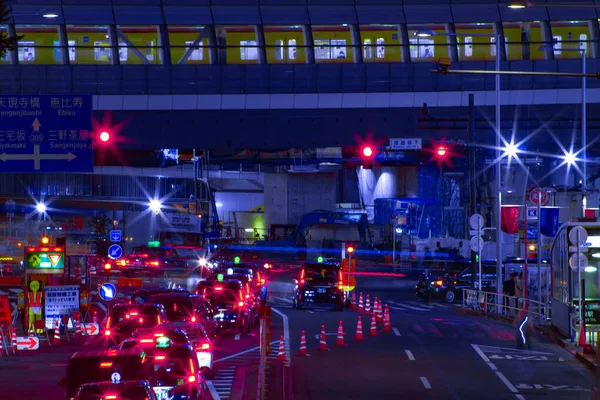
(505, 305)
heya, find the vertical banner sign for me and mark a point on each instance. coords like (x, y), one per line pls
(549, 221)
(60, 300)
(4, 310)
(510, 219)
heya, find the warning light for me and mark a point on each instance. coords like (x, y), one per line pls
(367, 151)
(350, 249)
(19, 244)
(45, 240)
(319, 259)
(163, 342)
(236, 260)
(531, 247)
(441, 151)
(104, 136)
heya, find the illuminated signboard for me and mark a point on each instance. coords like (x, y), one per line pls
(45, 260)
(592, 241)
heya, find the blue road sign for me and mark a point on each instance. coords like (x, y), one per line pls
(108, 291)
(46, 133)
(115, 251)
(115, 235)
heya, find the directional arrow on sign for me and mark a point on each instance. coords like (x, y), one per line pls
(92, 329)
(37, 157)
(36, 125)
(108, 293)
(30, 343)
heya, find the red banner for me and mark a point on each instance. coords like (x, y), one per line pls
(510, 219)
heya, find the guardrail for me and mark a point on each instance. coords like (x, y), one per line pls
(509, 306)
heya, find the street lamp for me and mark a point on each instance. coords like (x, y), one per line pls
(41, 208)
(550, 47)
(155, 206)
(430, 32)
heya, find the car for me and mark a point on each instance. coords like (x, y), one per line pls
(130, 390)
(140, 296)
(194, 335)
(124, 320)
(153, 260)
(100, 366)
(234, 313)
(319, 285)
(181, 306)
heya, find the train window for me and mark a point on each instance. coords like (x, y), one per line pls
(72, 51)
(284, 44)
(569, 37)
(248, 50)
(88, 44)
(185, 38)
(533, 32)
(514, 33)
(333, 43)
(475, 47)
(493, 46)
(38, 44)
(238, 44)
(139, 44)
(427, 48)
(381, 43)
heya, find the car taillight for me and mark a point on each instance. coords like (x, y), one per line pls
(218, 288)
(107, 266)
(154, 263)
(205, 346)
(247, 296)
(341, 287)
(159, 334)
(241, 304)
(262, 281)
(133, 313)
(439, 283)
(147, 341)
(122, 262)
(141, 320)
(110, 397)
(127, 316)
(107, 333)
(159, 358)
(106, 365)
(193, 319)
(191, 379)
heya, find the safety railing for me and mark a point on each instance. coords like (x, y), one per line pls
(505, 305)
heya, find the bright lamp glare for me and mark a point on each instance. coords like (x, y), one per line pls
(40, 207)
(511, 150)
(104, 136)
(569, 158)
(155, 205)
(590, 268)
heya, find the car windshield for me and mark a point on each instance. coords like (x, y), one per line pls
(320, 273)
(153, 252)
(223, 298)
(189, 252)
(177, 308)
(125, 392)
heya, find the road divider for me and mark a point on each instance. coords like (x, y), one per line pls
(410, 355)
(425, 383)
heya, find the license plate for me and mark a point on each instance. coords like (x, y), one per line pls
(322, 291)
(162, 393)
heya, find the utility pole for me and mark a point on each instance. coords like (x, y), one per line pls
(473, 174)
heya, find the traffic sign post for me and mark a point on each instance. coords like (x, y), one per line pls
(406, 144)
(107, 291)
(537, 196)
(115, 251)
(115, 235)
(50, 133)
(28, 343)
(10, 213)
(476, 222)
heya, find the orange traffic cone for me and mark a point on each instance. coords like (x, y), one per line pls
(368, 306)
(281, 353)
(303, 352)
(323, 341)
(361, 306)
(57, 332)
(353, 302)
(340, 336)
(379, 312)
(582, 341)
(373, 331)
(387, 324)
(375, 305)
(359, 334)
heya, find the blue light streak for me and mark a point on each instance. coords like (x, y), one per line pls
(521, 329)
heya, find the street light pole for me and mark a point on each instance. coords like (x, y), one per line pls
(584, 119)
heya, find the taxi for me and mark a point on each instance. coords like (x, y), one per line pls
(128, 390)
(124, 320)
(234, 312)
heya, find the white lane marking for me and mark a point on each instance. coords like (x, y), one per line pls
(310, 311)
(499, 374)
(213, 391)
(237, 337)
(284, 300)
(396, 331)
(242, 352)
(286, 336)
(409, 354)
(481, 353)
(399, 306)
(425, 382)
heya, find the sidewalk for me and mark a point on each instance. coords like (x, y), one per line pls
(589, 360)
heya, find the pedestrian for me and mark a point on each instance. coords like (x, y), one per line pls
(508, 289)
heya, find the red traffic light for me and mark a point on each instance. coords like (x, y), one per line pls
(367, 151)
(104, 136)
(441, 151)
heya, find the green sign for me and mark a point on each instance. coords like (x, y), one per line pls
(163, 342)
(154, 244)
(51, 262)
(220, 277)
(236, 260)
(319, 259)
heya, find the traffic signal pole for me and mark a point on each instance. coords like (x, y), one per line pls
(473, 173)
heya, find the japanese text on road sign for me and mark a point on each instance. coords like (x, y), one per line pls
(60, 300)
